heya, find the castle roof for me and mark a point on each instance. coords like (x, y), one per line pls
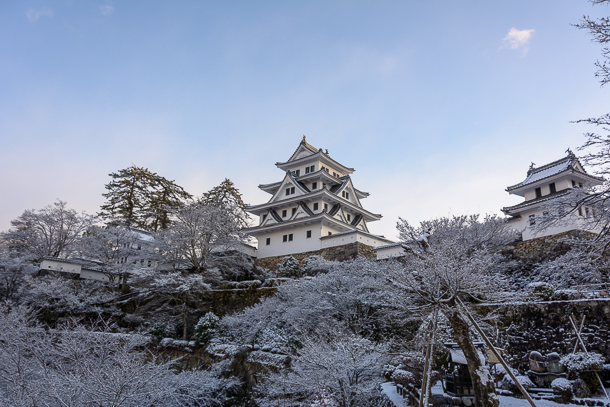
(568, 164)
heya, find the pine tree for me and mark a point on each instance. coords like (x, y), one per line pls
(139, 198)
(127, 196)
(226, 195)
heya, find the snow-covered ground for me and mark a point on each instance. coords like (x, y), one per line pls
(389, 388)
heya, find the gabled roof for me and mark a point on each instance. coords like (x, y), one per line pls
(303, 146)
(568, 163)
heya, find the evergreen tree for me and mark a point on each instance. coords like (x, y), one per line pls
(229, 197)
(139, 198)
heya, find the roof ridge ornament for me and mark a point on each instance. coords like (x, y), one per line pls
(532, 168)
(570, 153)
(304, 139)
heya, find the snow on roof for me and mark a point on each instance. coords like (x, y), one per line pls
(548, 170)
(142, 235)
(536, 174)
(387, 246)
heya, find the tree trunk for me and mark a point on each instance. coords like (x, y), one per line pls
(482, 382)
(184, 320)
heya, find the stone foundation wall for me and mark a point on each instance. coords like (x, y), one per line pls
(335, 253)
(545, 327)
(544, 248)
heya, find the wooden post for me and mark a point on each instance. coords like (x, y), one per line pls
(582, 344)
(495, 352)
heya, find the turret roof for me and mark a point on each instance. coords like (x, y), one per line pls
(570, 162)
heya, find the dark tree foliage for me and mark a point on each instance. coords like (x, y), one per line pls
(139, 198)
(229, 197)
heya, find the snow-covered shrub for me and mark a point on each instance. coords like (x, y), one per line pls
(540, 291)
(159, 330)
(501, 372)
(206, 328)
(563, 388)
(567, 294)
(313, 265)
(289, 267)
(177, 344)
(403, 377)
(388, 370)
(508, 384)
(580, 361)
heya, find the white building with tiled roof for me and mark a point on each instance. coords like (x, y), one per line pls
(543, 184)
(314, 207)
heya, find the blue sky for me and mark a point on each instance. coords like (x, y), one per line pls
(438, 105)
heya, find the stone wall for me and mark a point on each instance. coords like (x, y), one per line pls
(545, 327)
(544, 248)
(335, 253)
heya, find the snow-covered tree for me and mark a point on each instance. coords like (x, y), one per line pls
(290, 267)
(340, 366)
(227, 196)
(206, 328)
(178, 291)
(71, 366)
(14, 267)
(197, 232)
(450, 261)
(51, 231)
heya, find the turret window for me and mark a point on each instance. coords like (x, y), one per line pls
(345, 194)
(290, 237)
(349, 217)
(538, 192)
(290, 191)
(312, 168)
(294, 210)
(306, 170)
(326, 207)
(315, 206)
(284, 213)
(264, 217)
(285, 238)
(314, 185)
(532, 220)
(268, 241)
(308, 234)
(552, 187)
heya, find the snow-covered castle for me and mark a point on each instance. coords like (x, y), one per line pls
(544, 184)
(314, 207)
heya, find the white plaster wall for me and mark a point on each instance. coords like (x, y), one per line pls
(299, 244)
(394, 251)
(331, 241)
(523, 226)
(60, 266)
(93, 275)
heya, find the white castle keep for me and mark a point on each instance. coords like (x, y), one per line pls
(314, 207)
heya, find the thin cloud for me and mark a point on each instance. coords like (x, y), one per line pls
(106, 9)
(517, 39)
(33, 15)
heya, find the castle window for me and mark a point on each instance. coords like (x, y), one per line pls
(268, 241)
(345, 194)
(290, 237)
(312, 168)
(334, 174)
(532, 220)
(284, 213)
(573, 184)
(586, 211)
(308, 234)
(294, 210)
(330, 233)
(297, 173)
(314, 185)
(306, 170)
(264, 217)
(290, 191)
(552, 187)
(326, 207)
(285, 238)
(315, 206)
(538, 193)
(349, 217)
(580, 211)
(580, 185)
